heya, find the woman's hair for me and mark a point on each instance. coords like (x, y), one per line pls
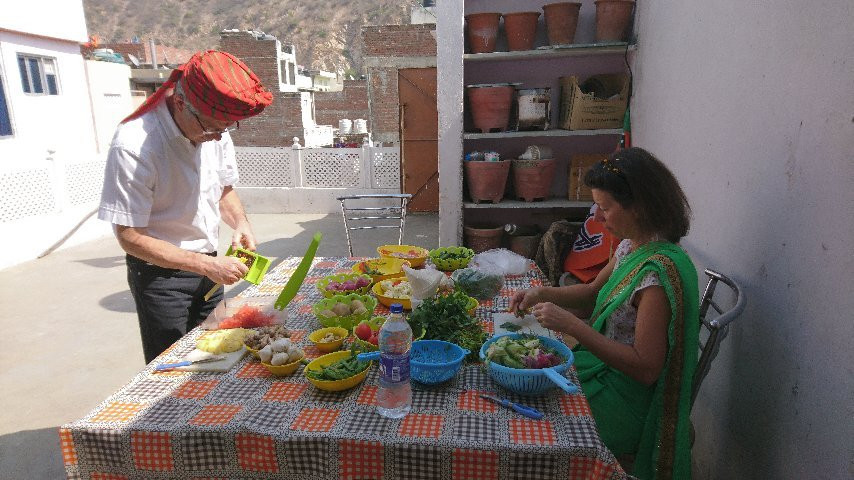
(638, 180)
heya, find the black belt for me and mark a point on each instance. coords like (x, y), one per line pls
(132, 258)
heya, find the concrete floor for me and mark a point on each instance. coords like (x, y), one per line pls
(70, 336)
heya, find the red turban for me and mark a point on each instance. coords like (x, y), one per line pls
(218, 85)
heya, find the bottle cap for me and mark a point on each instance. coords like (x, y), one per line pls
(396, 308)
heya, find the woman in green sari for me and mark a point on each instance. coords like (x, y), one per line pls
(637, 353)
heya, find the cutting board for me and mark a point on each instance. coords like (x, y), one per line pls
(223, 365)
(528, 323)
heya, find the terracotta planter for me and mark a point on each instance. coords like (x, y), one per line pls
(525, 245)
(483, 238)
(532, 179)
(482, 31)
(487, 180)
(561, 20)
(521, 30)
(612, 19)
(490, 106)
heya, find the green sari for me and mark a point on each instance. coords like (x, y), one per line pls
(649, 421)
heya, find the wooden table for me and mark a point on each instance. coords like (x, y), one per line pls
(246, 424)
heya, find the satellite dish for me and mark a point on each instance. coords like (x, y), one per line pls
(133, 60)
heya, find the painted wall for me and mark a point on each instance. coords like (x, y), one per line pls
(65, 20)
(40, 122)
(109, 89)
(753, 109)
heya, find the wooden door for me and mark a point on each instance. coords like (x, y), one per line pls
(419, 133)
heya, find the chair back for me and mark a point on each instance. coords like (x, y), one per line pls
(717, 327)
(372, 211)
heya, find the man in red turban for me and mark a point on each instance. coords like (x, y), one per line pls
(169, 182)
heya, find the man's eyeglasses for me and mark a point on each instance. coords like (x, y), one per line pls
(205, 130)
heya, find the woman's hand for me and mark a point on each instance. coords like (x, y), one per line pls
(555, 318)
(524, 299)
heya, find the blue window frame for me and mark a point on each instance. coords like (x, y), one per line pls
(38, 75)
(5, 120)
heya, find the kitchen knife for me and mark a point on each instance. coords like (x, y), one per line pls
(529, 412)
(186, 363)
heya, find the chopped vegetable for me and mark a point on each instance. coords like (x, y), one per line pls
(510, 326)
(525, 352)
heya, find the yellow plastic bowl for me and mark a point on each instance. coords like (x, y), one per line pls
(415, 255)
(281, 370)
(327, 347)
(252, 351)
(387, 301)
(335, 385)
(472, 305)
(388, 268)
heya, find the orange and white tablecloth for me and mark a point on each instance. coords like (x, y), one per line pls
(246, 423)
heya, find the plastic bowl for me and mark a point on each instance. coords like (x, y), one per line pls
(530, 381)
(451, 264)
(388, 301)
(346, 321)
(472, 305)
(327, 347)
(342, 277)
(435, 361)
(388, 268)
(335, 385)
(416, 256)
(286, 369)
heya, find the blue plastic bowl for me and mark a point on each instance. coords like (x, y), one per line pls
(531, 381)
(435, 361)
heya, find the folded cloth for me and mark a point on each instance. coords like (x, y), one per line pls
(217, 84)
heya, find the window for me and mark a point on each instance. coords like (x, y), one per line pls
(38, 75)
(5, 120)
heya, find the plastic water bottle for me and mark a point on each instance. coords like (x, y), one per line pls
(394, 397)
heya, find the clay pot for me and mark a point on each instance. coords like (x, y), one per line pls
(561, 20)
(482, 31)
(490, 106)
(483, 238)
(525, 245)
(612, 19)
(487, 180)
(532, 179)
(521, 30)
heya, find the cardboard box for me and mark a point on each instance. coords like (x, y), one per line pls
(589, 111)
(578, 166)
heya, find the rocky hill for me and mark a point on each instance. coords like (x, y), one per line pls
(326, 32)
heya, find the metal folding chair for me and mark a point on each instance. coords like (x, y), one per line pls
(376, 212)
(718, 327)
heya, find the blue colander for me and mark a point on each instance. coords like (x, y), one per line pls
(531, 381)
(435, 361)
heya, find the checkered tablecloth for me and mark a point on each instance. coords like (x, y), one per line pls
(247, 424)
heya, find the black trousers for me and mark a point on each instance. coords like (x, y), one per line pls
(169, 303)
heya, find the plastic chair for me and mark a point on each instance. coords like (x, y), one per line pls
(373, 213)
(718, 327)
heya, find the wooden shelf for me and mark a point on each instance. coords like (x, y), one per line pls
(550, 203)
(543, 133)
(574, 50)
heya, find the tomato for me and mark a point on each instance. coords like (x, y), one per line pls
(363, 331)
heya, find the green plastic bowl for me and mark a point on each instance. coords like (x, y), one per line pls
(346, 321)
(342, 277)
(376, 323)
(451, 264)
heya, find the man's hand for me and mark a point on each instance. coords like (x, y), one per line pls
(225, 270)
(243, 237)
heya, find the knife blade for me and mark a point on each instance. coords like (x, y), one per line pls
(525, 410)
(186, 363)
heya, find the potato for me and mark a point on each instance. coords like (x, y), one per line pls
(357, 305)
(328, 313)
(360, 310)
(341, 309)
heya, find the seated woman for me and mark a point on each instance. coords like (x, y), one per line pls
(637, 354)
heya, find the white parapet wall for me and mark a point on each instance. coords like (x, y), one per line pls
(308, 180)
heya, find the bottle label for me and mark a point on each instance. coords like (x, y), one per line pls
(394, 368)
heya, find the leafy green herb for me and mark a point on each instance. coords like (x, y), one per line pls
(510, 326)
(446, 318)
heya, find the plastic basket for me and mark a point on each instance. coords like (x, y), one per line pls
(435, 361)
(531, 381)
(451, 264)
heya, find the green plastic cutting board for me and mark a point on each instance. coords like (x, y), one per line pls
(292, 287)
